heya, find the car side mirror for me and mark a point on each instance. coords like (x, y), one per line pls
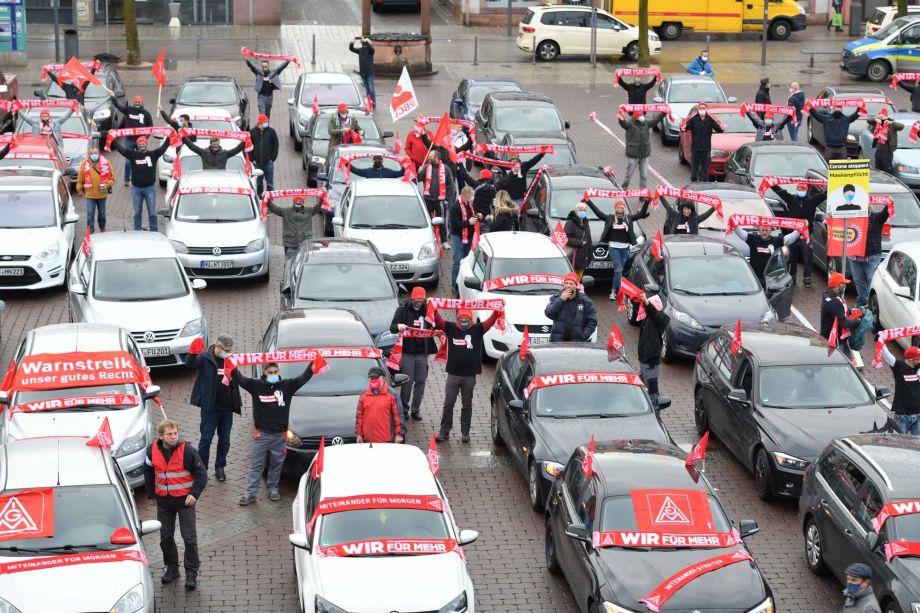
(75, 287)
(467, 536)
(587, 282)
(903, 292)
(578, 532)
(738, 395)
(321, 176)
(535, 213)
(70, 218)
(882, 392)
(386, 134)
(4, 397)
(338, 221)
(164, 212)
(299, 541)
(663, 402)
(172, 100)
(199, 284)
(472, 283)
(458, 101)
(871, 540)
(257, 172)
(658, 99)
(733, 99)
(399, 379)
(516, 406)
(567, 125)
(437, 221)
(122, 536)
(39, 94)
(290, 101)
(150, 526)
(748, 527)
(70, 171)
(152, 391)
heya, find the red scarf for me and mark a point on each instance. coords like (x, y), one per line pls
(104, 171)
(466, 226)
(880, 132)
(442, 181)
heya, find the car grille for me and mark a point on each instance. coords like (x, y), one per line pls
(210, 250)
(398, 257)
(312, 442)
(534, 328)
(600, 252)
(161, 360)
(402, 276)
(28, 277)
(14, 258)
(215, 272)
(159, 336)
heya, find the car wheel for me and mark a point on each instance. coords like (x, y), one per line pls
(664, 136)
(878, 71)
(298, 145)
(632, 51)
(670, 30)
(290, 129)
(873, 306)
(493, 426)
(763, 475)
(533, 486)
(892, 607)
(780, 30)
(162, 183)
(667, 352)
(700, 416)
(680, 155)
(549, 548)
(547, 51)
(814, 548)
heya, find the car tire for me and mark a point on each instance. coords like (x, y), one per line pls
(632, 51)
(290, 129)
(664, 137)
(549, 550)
(873, 306)
(670, 30)
(162, 183)
(534, 488)
(298, 145)
(493, 426)
(700, 416)
(814, 552)
(547, 51)
(892, 607)
(878, 71)
(667, 352)
(763, 475)
(780, 29)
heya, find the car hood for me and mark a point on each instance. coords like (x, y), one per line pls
(123, 422)
(233, 109)
(28, 591)
(23, 241)
(233, 234)
(860, 43)
(377, 314)
(898, 235)
(153, 315)
(632, 575)
(314, 416)
(730, 142)
(395, 241)
(908, 570)
(438, 579)
(720, 310)
(804, 433)
(908, 157)
(680, 109)
(500, 134)
(562, 436)
(519, 309)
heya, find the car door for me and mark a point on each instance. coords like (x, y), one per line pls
(869, 505)
(508, 374)
(717, 403)
(293, 102)
(66, 208)
(573, 31)
(780, 286)
(576, 506)
(888, 276)
(610, 38)
(841, 507)
(741, 418)
(344, 212)
(907, 43)
(520, 431)
(79, 279)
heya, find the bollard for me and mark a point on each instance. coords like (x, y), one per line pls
(313, 53)
(476, 51)
(707, 43)
(533, 58)
(71, 47)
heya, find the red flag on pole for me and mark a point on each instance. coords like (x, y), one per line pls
(444, 137)
(615, 344)
(559, 238)
(75, 73)
(434, 460)
(317, 469)
(657, 245)
(315, 105)
(587, 465)
(736, 340)
(85, 246)
(159, 68)
(525, 344)
(102, 438)
(698, 452)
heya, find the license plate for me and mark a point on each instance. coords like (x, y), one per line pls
(539, 340)
(601, 264)
(216, 263)
(153, 352)
(12, 272)
(399, 267)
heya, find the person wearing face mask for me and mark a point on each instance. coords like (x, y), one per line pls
(767, 128)
(701, 125)
(416, 148)
(377, 170)
(46, 126)
(572, 313)
(218, 402)
(515, 181)
(700, 66)
(651, 329)
(762, 244)
(296, 224)
(801, 206)
(638, 144)
(884, 139)
(463, 221)
(834, 306)
(483, 197)
(862, 267)
(342, 125)
(836, 128)
(365, 53)
(267, 81)
(858, 594)
(464, 362)
(578, 231)
(264, 153)
(684, 219)
(143, 178)
(95, 181)
(414, 362)
(619, 233)
(797, 101)
(214, 157)
(184, 121)
(136, 116)
(378, 419)
(271, 408)
(906, 402)
(636, 91)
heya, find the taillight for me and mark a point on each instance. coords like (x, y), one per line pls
(528, 29)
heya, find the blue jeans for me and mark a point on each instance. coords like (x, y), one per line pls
(219, 421)
(793, 131)
(618, 258)
(265, 104)
(909, 424)
(93, 208)
(268, 176)
(369, 86)
(460, 251)
(129, 145)
(862, 273)
(138, 196)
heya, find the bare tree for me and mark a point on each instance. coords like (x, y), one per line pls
(132, 40)
(902, 8)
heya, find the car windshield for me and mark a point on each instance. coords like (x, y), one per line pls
(528, 119)
(872, 109)
(26, 209)
(321, 128)
(84, 517)
(787, 163)
(10, 162)
(192, 162)
(79, 392)
(212, 124)
(590, 400)
(138, 280)
(504, 267)
(394, 212)
(350, 377)
(562, 157)
(735, 123)
(478, 93)
(693, 92)
(207, 92)
(890, 29)
(906, 210)
(907, 527)
(619, 515)
(214, 208)
(754, 205)
(373, 524)
(563, 201)
(819, 386)
(74, 124)
(338, 174)
(324, 282)
(92, 91)
(707, 275)
(330, 94)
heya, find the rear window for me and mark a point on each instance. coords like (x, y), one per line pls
(529, 15)
(877, 17)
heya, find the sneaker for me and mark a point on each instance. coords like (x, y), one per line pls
(219, 474)
(274, 496)
(806, 281)
(464, 438)
(613, 295)
(417, 416)
(191, 581)
(170, 575)
(446, 246)
(441, 437)
(246, 500)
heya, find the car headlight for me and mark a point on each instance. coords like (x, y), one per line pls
(102, 114)
(609, 607)
(718, 153)
(457, 605)
(552, 469)
(324, 606)
(51, 250)
(292, 439)
(132, 444)
(427, 251)
(193, 328)
(652, 36)
(179, 247)
(789, 461)
(132, 601)
(686, 319)
(169, 159)
(317, 159)
(764, 607)
(385, 338)
(770, 316)
(908, 169)
(256, 245)
(851, 138)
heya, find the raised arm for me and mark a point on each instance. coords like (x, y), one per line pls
(754, 119)
(887, 356)
(252, 67)
(791, 238)
(643, 212)
(122, 108)
(701, 218)
(60, 120)
(278, 70)
(487, 324)
(275, 209)
(237, 149)
(600, 214)
(192, 146)
(526, 166)
(169, 121)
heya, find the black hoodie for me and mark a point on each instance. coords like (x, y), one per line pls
(271, 403)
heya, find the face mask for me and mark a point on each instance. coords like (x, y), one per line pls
(417, 305)
(702, 112)
(220, 353)
(768, 123)
(851, 589)
(298, 205)
(263, 125)
(581, 214)
(801, 194)
(705, 58)
(641, 119)
(849, 197)
(686, 212)
(464, 324)
(272, 379)
(142, 148)
(342, 116)
(94, 157)
(376, 384)
(185, 124)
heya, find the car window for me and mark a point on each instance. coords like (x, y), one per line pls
(586, 506)
(574, 478)
(371, 524)
(894, 265)
(215, 208)
(812, 386)
(648, 259)
(619, 513)
(313, 496)
(723, 358)
(524, 377)
(323, 282)
(330, 94)
(27, 208)
(793, 164)
(910, 36)
(850, 485)
(908, 276)
(605, 22)
(139, 279)
(513, 366)
(514, 118)
(830, 467)
(207, 93)
(479, 264)
(870, 503)
(744, 377)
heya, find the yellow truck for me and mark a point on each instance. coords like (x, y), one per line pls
(671, 17)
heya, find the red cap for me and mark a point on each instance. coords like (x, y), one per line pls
(912, 353)
(571, 277)
(836, 279)
(465, 313)
(418, 293)
(343, 107)
(619, 202)
(44, 113)
(262, 119)
(801, 186)
(141, 140)
(883, 112)
(139, 99)
(485, 173)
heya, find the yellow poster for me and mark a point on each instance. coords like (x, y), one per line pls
(847, 206)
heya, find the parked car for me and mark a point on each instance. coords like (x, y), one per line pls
(873, 97)
(215, 93)
(316, 139)
(335, 178)
(9, 91)
(200, 117)
(564, 148)
(736, 200)
(471, 91)
(905, 164)
(39, 152)
(520, 113)
(96, 102)
(893, 292)
(330, 89)
(738, 131)
(78, 134)
(884, 15)
(682, 92)
(752, 162)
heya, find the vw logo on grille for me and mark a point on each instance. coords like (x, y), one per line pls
(149, 337)
(337, 440)
(215, 251)
(599, 251)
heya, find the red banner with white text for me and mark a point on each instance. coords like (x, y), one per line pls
(88, 557)
(661, 594)
(578, 378)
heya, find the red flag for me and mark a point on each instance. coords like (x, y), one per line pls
(75, 73)
(317, 469)
(444, 137)
(315, 105)
(657, 246)
(736, 339)
(698, 452)
(85, 246)
(615, 344)
(434, 460)
(102, 438)
(319, 365)
(525, 344)
(587, 465)
(159, 68)
(196, 347)
(7, 384)
(832, 338)
(368, 105)
(559, 237)
(397, 146)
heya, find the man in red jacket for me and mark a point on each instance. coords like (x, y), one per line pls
(378, 412)
(416, 148)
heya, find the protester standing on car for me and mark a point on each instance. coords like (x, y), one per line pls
(264, 153)
(637, 90)
(184, 121)
(638, 144)
(701, 125)
(218, 402)
(344, 127)
(578, 232)
(463, 222)
(95, 181)
(365, 64)
(858, 594)
(271, 408)
(685, 220)
(836, 128)
(801, 206)
(862, 267)
(762, 244)
(378, 419)
(906, 402)
(572, 313)
(296, 223)
(797, 101)
(506, 216)
(136, 116)
(464, 362)
(700, 65)
(619, 233)
(834, 307)
(914, 89)
(143, 178)
(651, 329)
(45, 126)
(884, 139)
(415, 351)
(175, 477)
(267, 81)
(214, 157)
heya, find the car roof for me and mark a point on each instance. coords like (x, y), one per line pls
(563, 172)
(52, 462)
(690, 245)
(519, 245)
(322, 328)
(526, 97)
(32, 179)
(380, 468)
(130, 245)
(335, 250)
(490, 79)
(210, 78)
(784, 344)
(690, 78)
(736, 190)
(624, 466)
(214, 178)
(849, 90)
(894, 456)
(383, 187)
(70, 337)
(546, 138)
(574, 357)
(191, 111)
(327, 77)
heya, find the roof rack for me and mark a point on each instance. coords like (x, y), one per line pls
(856, 448)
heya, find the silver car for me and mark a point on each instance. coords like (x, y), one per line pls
(330, 89)
(135, 280)
(217, 235)
(681, 93)
(80, 491)
(906, 162)
(127, 405)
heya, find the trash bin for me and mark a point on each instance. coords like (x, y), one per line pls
(71, 45)
(856, 18)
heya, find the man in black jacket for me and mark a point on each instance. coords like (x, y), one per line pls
(863, 267)
(515, 181)
(377, 170)
(217, 402)
(572, 313)
(914, 89)
(636, 91)
(483, 198)
(71, 91)
(437, 185)
(834, 307)
(267, 81)
(415, 351)
(136, 116)
(214, 157)
(651, 329)
(365, 64)
(701, 125)
(462, 220)
(271, 408)
(836, 128)
(763, 92)
(143, 179)
(906, 401)
(684, 219)
(175, 477)
(264, 153)
(801, 206)
(762, 244)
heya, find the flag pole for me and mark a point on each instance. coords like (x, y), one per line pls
(159, 94)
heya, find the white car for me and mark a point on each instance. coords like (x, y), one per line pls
(217, 234)
(78, 410)
(201, 117)
(135, 280)
(893, 296)
(503, 254)
(37, 220)
(349, 560)
(390, 213)
(191, 163)
(94, 560)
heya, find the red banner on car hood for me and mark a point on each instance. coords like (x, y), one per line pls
(376, 501)
(27, 514)
(52, 404)
(665, 539)
(661, 594)
(52, 371)
(575, 378)
(897, 549)
(382, 547)
(88, 557)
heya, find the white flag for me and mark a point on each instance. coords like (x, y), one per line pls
(404, 100)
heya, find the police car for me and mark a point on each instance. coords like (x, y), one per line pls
(894, 48)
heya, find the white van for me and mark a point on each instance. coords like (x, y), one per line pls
(885, 15)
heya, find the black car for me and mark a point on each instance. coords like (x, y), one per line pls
(471, 91)
(520, 113)
(96, 98)
(326, 406)
(217, 92)
(816, 129)
(541, 431)
(564, 154)
(554, 194)
(704, 284)
(642, 489)
(777, 402)
(316, 139)
(751, 162)
(849, 485)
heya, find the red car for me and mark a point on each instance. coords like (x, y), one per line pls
(738, 131)
(38, 152)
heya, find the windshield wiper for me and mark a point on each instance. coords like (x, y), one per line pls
(363, 225)
(70, 547)
(602, 415)
(397, 226)
(688, 292)
(213, 220)
(15, 549)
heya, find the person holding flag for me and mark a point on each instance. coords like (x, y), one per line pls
(143, 178)
(619, 233)
(651, 329)
(377, 170)
(836, 128)
(483, 199)
(684, 219)
(214, 157)
(415, 351)
(515, 181)
(72, 79)
(416, 148)
(463, 230)
(637, 90)
(572, 313)
(578, 232)
(267, 81)
(767, 128)
(837, 319)
(378, 417)
(437, 186)
(343, 126)
(762, 244)
(136, 116)
(296, 223)
(801, 206)
(95, 180)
